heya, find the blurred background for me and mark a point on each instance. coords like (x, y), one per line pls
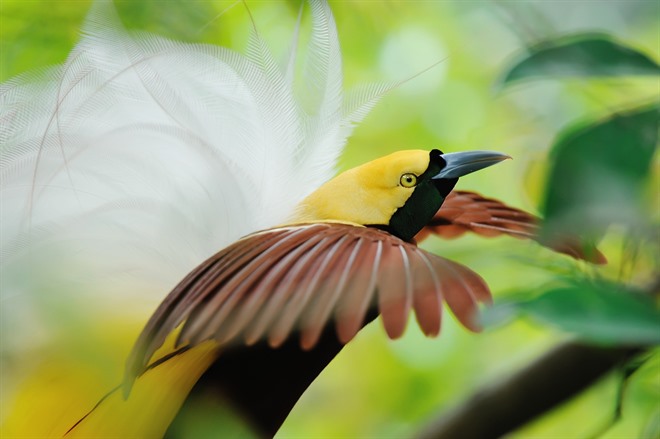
(449, 58)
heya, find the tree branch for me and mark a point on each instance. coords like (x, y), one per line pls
(553, 378)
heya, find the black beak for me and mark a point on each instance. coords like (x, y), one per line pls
(463, 163)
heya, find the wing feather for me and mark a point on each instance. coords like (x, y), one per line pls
(291, 312)
(395, 289)
(222, 301)
(464, 212)
(190, 292)
(281, 294)
(297, 278)
(240, 320)
(199, 294)
(352, 307)
(326, 297)
(474, 283)
(459, 293)
(428, 300)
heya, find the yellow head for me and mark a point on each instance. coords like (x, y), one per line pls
(400, 192)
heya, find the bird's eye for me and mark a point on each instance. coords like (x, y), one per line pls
(408, 180)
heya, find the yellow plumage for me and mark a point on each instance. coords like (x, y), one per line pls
(374, 189)
(155, 399)
(66, 384)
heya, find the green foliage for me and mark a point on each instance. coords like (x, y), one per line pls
(599, 173)
(582, 55)
(600, 312)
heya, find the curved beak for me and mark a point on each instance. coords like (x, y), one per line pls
(463, 163)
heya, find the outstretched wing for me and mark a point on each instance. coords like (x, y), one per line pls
(299, 277)
(464, 212)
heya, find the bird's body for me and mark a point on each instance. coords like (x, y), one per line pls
(349, 239)
(338, 260)
(141, 159)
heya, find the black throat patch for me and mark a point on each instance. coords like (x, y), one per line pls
(426, 199)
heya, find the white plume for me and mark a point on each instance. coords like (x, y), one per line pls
(139, 157)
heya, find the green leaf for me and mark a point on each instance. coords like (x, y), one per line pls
(584, 55)
(601, 313)
(599, 173)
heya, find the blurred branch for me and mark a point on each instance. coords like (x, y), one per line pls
(553, 378)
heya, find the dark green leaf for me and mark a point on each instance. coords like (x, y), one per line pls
(598, 174)
(585, 55)
(600, 313)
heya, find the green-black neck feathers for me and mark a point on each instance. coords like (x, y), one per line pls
(424, 202)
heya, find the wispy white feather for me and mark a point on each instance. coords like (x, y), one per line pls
(140, 156)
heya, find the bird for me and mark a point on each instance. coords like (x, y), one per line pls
(348, 249)
(176, 202)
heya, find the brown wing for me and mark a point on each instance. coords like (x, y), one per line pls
(470, 212)
(271, 283)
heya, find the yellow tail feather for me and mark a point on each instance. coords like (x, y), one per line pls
(63, 397)
(154, 400)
